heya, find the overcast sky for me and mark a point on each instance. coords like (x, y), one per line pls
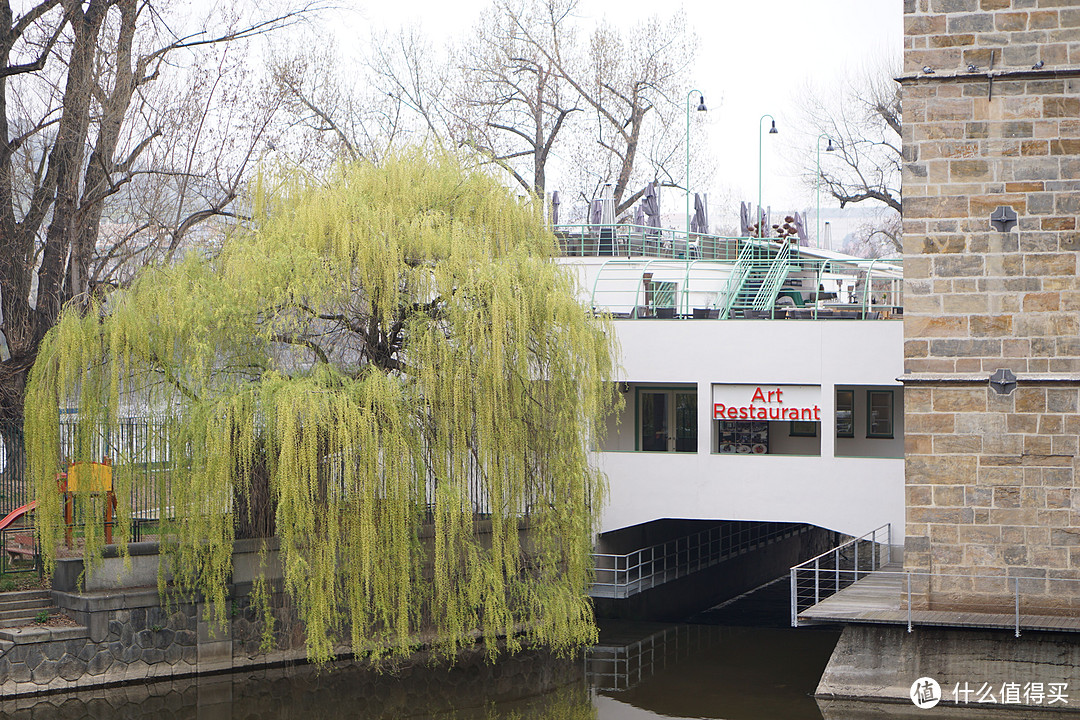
(754, 57)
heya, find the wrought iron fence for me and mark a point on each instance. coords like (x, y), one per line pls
(19, 550)
(13, 489)
(136, 447)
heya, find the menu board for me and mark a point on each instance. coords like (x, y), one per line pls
(743, 437)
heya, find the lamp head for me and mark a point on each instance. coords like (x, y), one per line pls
(830, 147)
(773, 130)
(701, 104)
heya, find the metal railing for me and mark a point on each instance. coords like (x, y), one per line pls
(774, 279)
(620, 576)
(13, 487)
(1015, 599)
(644, 241)
(19, 550)
(726, 300)
(830, 572)
(803, 288)
(623, 667)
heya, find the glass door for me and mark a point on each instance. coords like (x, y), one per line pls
(667, 420)
(653, 411)
(686, 422)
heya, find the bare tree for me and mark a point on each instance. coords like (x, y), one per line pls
(513, 103)
(635, 84)
(83, 123)
(880, 236)
(530, 90)
(396, 94)
(863, 121)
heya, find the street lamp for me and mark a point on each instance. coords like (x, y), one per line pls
(817, 181)
(772, 131)
(701, 108)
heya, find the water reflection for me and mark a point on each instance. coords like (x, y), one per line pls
(528, 686)
(701, 671)
(637, 671)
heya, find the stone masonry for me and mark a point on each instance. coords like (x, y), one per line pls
(992, 493)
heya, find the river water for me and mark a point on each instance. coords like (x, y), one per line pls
(729, 663)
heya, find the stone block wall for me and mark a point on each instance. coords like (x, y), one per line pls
(991, 478)
(132, 636)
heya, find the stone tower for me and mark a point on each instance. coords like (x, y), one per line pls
(991, 119)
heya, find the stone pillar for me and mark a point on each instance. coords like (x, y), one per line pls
(991, 118)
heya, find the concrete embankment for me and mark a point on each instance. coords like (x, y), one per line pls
(977, 670)
(126, 633)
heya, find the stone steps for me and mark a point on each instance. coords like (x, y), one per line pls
(18, 609)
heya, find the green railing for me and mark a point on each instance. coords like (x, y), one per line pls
(738, 276)
(646, 242)
(773, 280)
(776, 286)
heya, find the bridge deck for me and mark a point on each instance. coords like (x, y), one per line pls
(879, 598)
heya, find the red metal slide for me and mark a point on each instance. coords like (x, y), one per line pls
(17, 513)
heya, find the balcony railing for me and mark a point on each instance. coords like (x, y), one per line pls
(751, 286)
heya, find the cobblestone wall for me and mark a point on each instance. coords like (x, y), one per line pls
(129, 636)
(142, 642)
(991, 478)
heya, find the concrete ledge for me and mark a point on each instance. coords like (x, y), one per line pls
(867, 710)
(876, 662)
(24, 635)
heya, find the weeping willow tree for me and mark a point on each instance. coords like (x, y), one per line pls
(388, 372)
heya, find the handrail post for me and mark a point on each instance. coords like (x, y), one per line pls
(794, 598)
(1016, 584)
(888, 536)
(908, 602)
(817, 582)
(836, 565)
(856, 560)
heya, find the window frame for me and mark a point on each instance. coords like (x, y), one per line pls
(672, 415)
(850, 407)
(870, 415)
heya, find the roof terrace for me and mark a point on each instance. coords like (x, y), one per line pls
(641, 272)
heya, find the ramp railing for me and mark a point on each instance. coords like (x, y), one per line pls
(620, 576)
(833, 570)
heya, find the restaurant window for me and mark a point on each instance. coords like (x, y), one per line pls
(845, 413)
(879, 416)
(667, 419)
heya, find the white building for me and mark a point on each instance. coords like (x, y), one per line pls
(760, 380)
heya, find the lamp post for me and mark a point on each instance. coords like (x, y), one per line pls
(817, 181)
(701, 108)
(772, 131)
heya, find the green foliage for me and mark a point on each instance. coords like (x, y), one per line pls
(393, 366)
(7, 584)
(42, 617)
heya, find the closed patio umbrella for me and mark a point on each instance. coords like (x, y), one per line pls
(744, 219)
(700, 222)
(607, 221)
